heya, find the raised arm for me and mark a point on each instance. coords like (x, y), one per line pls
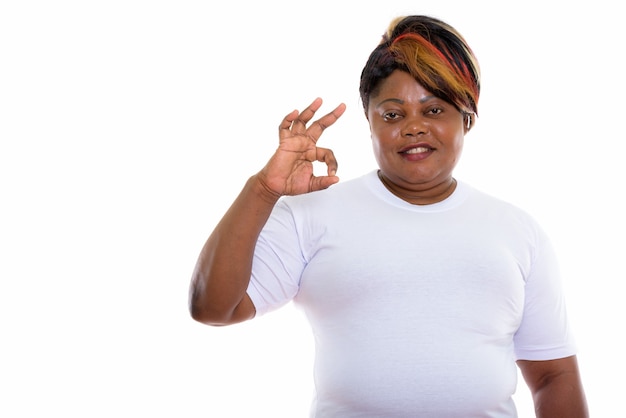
(217, 295)
(556, 387)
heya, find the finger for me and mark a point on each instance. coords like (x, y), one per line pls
(298, 120)
(299, 124)
(317, 128)
(284, 129)
(322, 182)
(327, 156)
(307, 114)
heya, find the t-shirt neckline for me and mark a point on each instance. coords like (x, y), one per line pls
(378, 188)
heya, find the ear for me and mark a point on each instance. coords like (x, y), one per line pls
(468, 121)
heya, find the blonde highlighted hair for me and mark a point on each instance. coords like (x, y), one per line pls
(434, 53)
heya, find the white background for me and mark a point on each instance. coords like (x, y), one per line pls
(128, 127)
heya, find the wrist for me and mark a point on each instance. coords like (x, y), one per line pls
(262, 189)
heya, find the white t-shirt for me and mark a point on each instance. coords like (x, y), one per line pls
(417, 311)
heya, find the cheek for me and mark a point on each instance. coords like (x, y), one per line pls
(458, 147)
(379, 145)
(376, 146)
(375, 137)
(384, 135)
(452, 136)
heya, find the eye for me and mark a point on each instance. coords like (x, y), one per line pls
(434, 110)
(391, 115)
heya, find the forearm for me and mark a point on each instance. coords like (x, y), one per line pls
(223, 269)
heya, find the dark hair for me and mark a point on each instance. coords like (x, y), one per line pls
(434, 53)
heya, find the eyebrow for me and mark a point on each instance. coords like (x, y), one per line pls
(400, 101)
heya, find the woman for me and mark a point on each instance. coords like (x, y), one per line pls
(422, 292)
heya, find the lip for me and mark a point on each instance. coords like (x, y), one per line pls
(417, 152)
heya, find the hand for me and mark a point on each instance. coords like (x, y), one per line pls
(290, 170)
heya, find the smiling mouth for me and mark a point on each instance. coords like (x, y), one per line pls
(417, 150)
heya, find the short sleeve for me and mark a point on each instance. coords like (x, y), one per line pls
(278, 262)
(544, 333)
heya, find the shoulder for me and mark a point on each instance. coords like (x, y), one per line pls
(494, 205)
(502, 214)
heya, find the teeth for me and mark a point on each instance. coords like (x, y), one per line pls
(417, 150)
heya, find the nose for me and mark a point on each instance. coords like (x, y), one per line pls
(415, 126)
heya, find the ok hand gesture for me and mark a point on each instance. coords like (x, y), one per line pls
(290, 170)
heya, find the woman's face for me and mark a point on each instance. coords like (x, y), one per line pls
(417, 137)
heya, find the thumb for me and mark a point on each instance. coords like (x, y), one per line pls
(322, 182)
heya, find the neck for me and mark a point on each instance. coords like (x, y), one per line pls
(426, 196)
